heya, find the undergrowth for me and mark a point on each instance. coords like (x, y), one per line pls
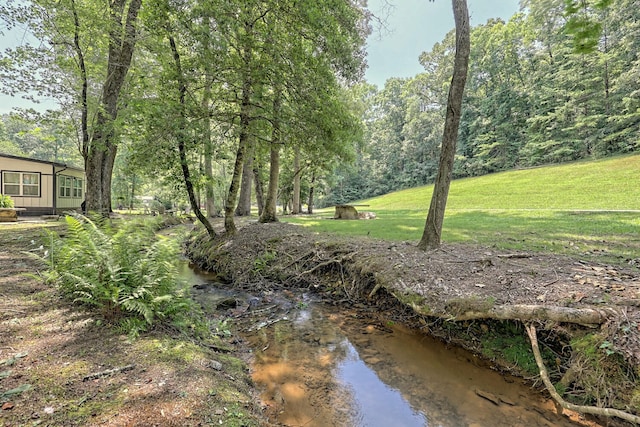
(126, 275)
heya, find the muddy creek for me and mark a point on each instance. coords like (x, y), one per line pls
(320, 365)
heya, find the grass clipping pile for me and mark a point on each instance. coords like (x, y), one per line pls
(488, 301)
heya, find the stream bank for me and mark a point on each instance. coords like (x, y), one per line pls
(430, 291)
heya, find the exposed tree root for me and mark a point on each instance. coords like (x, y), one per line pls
(524, 312)
(593, 410)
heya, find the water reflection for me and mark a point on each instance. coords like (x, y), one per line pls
(326, 367)
(376, 403)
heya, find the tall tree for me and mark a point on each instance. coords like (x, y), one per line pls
(100, 149)
(431, 237)
(83, 60)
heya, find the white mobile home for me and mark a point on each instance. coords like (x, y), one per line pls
(41, 187)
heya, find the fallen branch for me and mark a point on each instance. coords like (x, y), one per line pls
(512, 256)
(108, 372)
(524, 312)
(593, 410)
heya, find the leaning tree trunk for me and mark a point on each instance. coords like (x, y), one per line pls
(181, 136)
(431, 237)
(102, 149)
(269, 212)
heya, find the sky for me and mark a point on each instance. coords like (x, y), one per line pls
(411, 27)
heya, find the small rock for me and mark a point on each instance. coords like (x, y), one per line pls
(226, 303)
(7, 405)
(490, 397)
(214, 364)
(507, 401)
(372, 360)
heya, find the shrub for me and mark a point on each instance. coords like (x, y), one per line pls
(128, 276)
(5, 201)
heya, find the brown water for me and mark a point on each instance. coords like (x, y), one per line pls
(324, 367)
(317, 365)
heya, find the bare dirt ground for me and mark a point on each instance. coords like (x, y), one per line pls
(74, 371)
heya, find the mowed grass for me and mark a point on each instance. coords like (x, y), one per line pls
(590, 209)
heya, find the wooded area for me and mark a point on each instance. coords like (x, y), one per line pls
(265, 101)
(531, 98)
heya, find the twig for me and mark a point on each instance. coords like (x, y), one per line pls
(108, 372)
(295, 261)
(13, 310)
(594, 410)
(319, 266)
(511, 256)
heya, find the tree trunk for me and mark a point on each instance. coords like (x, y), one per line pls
(243, 141)
(208, 154)
(244, 200)
(102, 149)
(133, 191)
(259, 187)
(210, 204)
(312, 187)
(269, 212)
(181, 137)
(431, 237)
(295, 208)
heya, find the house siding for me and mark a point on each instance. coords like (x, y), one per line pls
(18, 176)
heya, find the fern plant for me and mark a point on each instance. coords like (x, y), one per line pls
(128, 275)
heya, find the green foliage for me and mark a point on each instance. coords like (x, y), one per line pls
(6, 201)
(261, 262)
(126, 275)
(604, 376)
(555, 83)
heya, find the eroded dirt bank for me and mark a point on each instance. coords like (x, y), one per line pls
(479, 298)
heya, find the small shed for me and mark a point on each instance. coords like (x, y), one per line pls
(41, 187)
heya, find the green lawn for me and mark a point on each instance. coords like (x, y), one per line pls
(580, 208)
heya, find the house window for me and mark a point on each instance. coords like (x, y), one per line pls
(30, 184)
(70, 187)
(66, 183)
(77, 188)
(21, 184)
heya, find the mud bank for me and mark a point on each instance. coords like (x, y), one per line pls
(457, 294)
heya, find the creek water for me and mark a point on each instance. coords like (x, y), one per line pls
(319, 365)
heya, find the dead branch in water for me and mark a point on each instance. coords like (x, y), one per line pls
(593, 410)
